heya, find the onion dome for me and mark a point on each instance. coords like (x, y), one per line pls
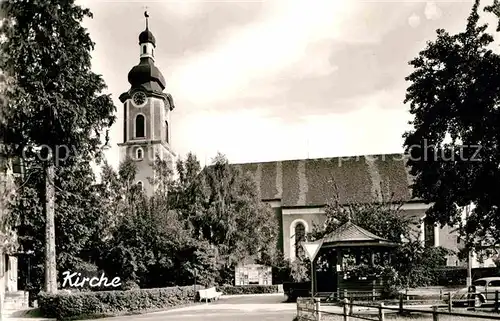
(147, 36)
(146, 74)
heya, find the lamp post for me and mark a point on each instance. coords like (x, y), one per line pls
(194, 284)
(29, 253)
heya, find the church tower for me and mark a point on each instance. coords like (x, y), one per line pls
(147, 108)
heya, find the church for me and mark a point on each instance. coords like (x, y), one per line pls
(297, 190)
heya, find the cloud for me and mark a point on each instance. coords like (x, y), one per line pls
(182, 29)
(264, 138)
(189, 28)
(312, 74)
(258, 50)
(432, 11)
(301, 59)
(414, 20)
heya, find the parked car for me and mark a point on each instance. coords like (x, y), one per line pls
(481, 292)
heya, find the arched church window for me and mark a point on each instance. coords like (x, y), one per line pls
(429, 232)
(139, 154)
(300, 235)
(139, 126)
(140, 185)
(143, 49)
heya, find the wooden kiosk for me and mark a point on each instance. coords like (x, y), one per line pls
(347, 261)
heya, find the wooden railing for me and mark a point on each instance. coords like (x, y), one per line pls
(351, 295)
(311, 309)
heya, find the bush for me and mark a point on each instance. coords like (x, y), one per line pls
(247, 289)
(130, 285)
(64, 305)
(453, 276)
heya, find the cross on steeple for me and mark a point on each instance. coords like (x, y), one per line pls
(146, 15)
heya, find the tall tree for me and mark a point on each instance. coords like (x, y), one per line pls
(56, 100)
(384, 219)
(454, 146)
(223, 207)
(78, 219)
(188, 193)
(149, 243)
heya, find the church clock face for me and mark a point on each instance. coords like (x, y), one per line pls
(139, 98)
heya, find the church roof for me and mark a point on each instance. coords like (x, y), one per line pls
(314, 182)
(350, 232)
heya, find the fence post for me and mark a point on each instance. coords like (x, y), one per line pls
(317, 307)
(496, 301)
(346, 313)
(381, 312)
(351, 307)
(407, 298)
(298, 309)
(435, 314)
(449, 302)
(471, 298)
(440, 294)
(471, 303)
(401, 304)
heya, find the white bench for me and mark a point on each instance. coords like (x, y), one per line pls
(209, 294)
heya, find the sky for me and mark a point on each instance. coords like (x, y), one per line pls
(276, 79)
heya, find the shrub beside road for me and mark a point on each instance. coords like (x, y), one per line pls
(64, 305)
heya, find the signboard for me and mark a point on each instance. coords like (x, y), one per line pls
(312, 248)
(246, 274)
(308, 309)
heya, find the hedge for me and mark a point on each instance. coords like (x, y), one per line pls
(451, 276)
(247, 289)
(68, 306)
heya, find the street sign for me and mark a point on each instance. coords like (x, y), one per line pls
(312, 248)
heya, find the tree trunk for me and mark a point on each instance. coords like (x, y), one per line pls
(50, 233)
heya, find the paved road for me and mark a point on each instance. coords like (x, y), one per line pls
(248, 308)
(257, 299)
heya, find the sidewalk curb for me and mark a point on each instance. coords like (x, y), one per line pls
(229, 296)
